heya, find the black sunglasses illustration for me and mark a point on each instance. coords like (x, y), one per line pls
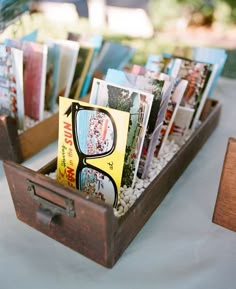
(94, 136)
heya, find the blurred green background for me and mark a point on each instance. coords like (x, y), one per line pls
(175, 23)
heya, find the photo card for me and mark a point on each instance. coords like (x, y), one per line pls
(91, 148)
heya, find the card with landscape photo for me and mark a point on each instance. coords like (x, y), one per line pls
(52, 75)
(69, 51)
(138, 103)
(95, 41)
(172, 108)
(146, 84)
(199, 76)
(154, 138)
(91, 148)
(140, 82)
(154, 62)
(11, 84)
(34, 76)
(35, 65)
(157, 63)
(214, 56)
(210, 55)
(83, 62)
(113, 55)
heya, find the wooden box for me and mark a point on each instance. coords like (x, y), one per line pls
(87, 225)
(225, 207)
(19, 147)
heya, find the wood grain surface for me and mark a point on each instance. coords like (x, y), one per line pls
(225, 207)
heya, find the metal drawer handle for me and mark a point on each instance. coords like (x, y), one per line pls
(48, 209)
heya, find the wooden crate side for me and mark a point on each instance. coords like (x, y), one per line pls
(225, 207)
(9, 145)
(50, 167)
(208, 107)
(89, 232)
(152, 197)
(39, 136)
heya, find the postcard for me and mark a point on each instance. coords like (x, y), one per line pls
(170, 97)
(158, 63)
(35, 65)
(91, 148)
(199, 76)
(214, 56)
(81, 69)
(180, 127)
(52, 74)
(68, 58)
(113, 55)
(146, 84)
(137, 69)
(95, 41)
(11, 84)
(154, 62)
(34, 75)
(138, 103)
(152, 141)
(179, 88)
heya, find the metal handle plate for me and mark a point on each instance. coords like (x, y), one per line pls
(48, 209)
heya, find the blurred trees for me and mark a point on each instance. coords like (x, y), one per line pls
(195, 12)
